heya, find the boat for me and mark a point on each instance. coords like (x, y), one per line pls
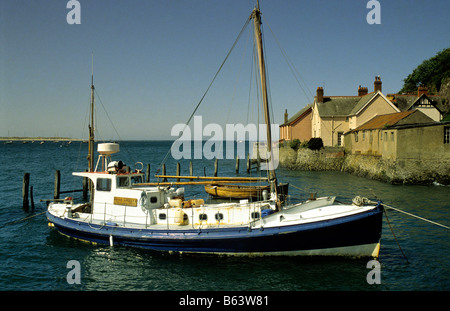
(123, 210)
(251, 192)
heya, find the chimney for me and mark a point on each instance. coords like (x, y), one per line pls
(362, 91)
(422, 90)
(377, 84)
(285, 116)
(320, 94)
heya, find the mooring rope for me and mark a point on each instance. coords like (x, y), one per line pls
(395, 237)
(16, 221)
(412, 215)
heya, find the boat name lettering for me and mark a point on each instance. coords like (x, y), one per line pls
(125, 201)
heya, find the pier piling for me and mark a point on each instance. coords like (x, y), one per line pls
(57, 189)
(25, 184)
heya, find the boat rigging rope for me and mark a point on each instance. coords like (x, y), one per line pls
(214, 78)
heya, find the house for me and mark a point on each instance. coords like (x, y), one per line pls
(431, 105)
(378, 137)
(332, 116)
(298, 126)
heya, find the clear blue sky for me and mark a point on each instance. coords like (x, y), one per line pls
(154, 59)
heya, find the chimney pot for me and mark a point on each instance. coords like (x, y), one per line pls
(422, 90)
(362, 91)
(377, 84)
(320, 94)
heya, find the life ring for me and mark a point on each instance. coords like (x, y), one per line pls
(143, 201)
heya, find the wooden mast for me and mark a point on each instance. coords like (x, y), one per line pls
(256, 15)
(91, 124)
(91, 127)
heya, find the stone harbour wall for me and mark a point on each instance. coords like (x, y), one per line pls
(401, 171)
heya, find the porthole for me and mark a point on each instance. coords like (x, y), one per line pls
(255, 215)
(219, 216)
(162, 216)
(203, 217)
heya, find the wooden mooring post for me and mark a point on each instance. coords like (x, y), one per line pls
(25, 185)
(57, 189)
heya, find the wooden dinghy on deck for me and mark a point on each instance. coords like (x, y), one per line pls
(254, 192)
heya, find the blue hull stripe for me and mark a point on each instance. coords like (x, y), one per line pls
(346, 231)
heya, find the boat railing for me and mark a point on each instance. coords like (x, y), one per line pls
(250, 213)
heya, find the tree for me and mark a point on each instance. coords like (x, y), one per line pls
(431, 73)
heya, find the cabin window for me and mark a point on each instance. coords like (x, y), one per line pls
(255, 215)
(153, 199)
(446, 134)
(203, 217)
(103, 184)
(123, 181)
(219, 216)
(136, 180)
(162, 216)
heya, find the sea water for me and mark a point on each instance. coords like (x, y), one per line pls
(34, 256)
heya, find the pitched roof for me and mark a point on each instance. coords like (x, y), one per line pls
(334, 106)
(296, 116)
(405, 102)
(392, 119)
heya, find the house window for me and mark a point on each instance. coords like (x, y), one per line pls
(446, 134)
(392, 136)
(103, 184)
(364, 135)
(340, 135)
(356, 136)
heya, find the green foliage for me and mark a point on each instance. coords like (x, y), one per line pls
(295, 144)
(431, 73)
(315, 143)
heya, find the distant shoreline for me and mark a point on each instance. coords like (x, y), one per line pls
(39, 139)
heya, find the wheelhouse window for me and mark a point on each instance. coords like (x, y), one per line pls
(123, 181)
(136, 179)
(103, 184)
